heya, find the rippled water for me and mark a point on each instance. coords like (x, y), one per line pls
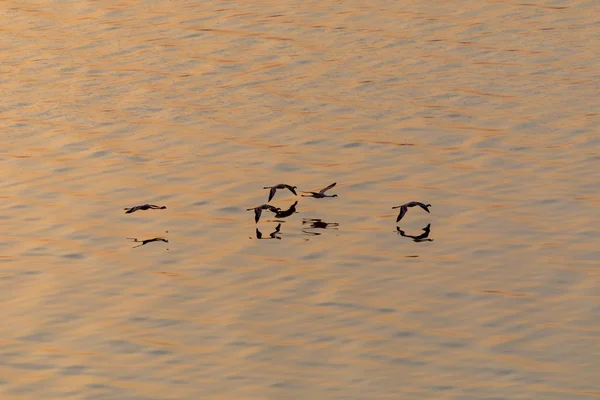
(487, 110)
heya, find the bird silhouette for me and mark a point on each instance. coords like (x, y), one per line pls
(143, 207)
(321, 193)
(288, 212)
(258, 210)
(404, 208)
(280, 186)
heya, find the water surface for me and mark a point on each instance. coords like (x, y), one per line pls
(487, 110)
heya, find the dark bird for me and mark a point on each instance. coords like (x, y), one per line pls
(144, 207)
(280, 186)
(273, 235)
(423, 237)
(286, 213)
(404, 208)
(258, 210)
(321, 193)
(157, 239)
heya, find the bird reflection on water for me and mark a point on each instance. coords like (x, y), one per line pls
(146, 241)
(272, 235)
(317, 223)
(423, 237)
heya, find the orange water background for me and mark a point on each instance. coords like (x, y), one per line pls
(488, 110)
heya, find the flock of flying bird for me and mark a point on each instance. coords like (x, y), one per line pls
(319, 195)
(279, 213)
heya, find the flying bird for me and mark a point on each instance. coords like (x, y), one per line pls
(280, 186)
(144, 207)
(321, 193)
(404, 208)
(288, 212)
(258, 210)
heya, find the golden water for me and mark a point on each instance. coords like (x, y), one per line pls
(488, 110)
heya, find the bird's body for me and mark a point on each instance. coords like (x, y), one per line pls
(280, 186)
(321, 193)
(143, 207)
(404, 208)
(258, 210)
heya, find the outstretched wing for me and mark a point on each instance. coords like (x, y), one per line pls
(292, 190)
(328, 187)
(402, 212)
(423, 206)
(257, 212)
(272, 193)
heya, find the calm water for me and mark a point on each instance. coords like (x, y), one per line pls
(488, 110)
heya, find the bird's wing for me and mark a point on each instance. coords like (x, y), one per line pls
(328, 187)
(292, 190)
(423, 207)
(402, 212)
(272, 193)
(257, 212)
(258, 234)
